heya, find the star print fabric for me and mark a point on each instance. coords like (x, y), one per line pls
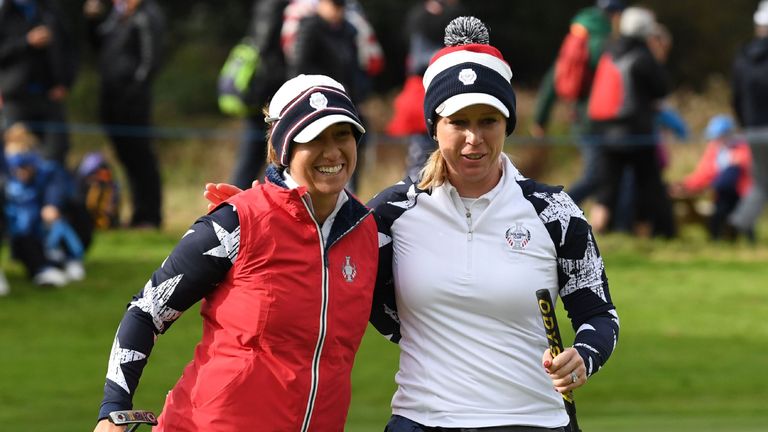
(194, 268)
(583, 284)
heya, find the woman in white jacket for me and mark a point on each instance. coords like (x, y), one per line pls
(462, 253)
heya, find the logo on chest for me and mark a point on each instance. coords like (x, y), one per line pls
(349, 270)
(518, 236)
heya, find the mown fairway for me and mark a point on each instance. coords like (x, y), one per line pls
(692, 353)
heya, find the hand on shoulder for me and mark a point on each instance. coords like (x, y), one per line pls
(217, 193)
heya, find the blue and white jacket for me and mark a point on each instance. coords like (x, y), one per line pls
(456, 288)
(51, 185)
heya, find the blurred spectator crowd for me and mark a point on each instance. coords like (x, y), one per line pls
(609, 73)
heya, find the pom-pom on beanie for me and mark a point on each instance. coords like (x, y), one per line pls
(468, 71)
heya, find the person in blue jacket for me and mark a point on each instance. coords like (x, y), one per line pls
(37, 193)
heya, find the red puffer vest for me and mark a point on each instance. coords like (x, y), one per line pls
(281, 331)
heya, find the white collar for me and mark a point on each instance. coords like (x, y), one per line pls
(491, 194)
(342, 198)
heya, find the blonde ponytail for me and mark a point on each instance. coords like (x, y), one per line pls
(434, 172)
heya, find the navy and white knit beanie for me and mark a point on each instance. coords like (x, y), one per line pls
(466, 72)
(303, 107)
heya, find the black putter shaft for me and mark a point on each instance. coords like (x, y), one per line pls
(547, 309)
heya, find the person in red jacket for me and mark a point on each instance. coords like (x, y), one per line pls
(285, 272)
(424, 28)
(725, 168)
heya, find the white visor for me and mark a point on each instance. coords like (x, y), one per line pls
(318, 126)
(463, 100)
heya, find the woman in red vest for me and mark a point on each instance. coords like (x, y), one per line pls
(285, 272)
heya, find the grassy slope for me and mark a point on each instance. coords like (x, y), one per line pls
(691, 353)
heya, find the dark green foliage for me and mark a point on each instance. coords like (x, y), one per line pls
(707, 34)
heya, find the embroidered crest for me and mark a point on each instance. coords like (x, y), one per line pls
(318, 101)
(518, 236)
(467, 76)
(349, 270)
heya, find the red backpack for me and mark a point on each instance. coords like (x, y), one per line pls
(607, 98)
(572, 73)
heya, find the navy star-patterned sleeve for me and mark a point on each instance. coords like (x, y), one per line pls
(387, 206)
(197, 264)
(583, 285)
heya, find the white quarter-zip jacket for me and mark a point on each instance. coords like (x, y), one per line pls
(466, 316)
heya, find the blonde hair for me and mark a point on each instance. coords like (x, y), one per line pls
(19, 139)
(272, 154)
(435, 171)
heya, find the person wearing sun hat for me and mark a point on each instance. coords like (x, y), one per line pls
(463, 250)
(285, 273)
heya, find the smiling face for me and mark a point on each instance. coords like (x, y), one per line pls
(470, 142)
(325, 164)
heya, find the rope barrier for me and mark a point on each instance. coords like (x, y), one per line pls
(757, 136)
(223, 134)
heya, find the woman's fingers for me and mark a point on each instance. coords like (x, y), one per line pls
(216, 193)
(566, 370)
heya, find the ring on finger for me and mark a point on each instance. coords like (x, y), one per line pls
(574, 377)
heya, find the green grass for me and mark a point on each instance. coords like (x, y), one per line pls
(693, 347)
(692, 353)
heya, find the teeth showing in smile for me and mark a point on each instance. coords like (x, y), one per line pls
(329, 169)
(473, 156)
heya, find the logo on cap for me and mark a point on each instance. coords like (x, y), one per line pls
(318, 101)
(467, 76)
(518, 236)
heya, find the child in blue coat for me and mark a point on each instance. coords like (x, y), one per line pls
(37, 194)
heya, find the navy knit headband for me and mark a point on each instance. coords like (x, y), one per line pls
(311, 105)
(452, 82)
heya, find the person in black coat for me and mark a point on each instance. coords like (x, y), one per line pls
(264, 33)
(624, 126)
(129, 44)
(326, 44)
(38, 64)
(750, 102)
